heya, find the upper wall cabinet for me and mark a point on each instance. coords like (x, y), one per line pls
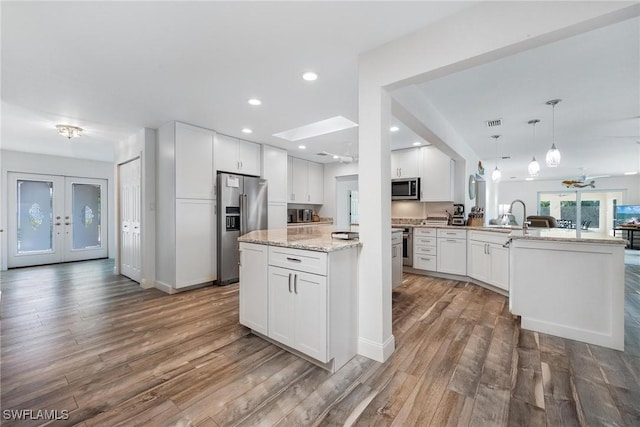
(193, 162)
(306, 182)
(405, 163)
(274, 170)
(236, 156)
(436, 179)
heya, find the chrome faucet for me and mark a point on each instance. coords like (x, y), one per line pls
(525, 223)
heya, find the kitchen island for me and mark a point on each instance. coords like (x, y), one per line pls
(298, 289)
(569, 284)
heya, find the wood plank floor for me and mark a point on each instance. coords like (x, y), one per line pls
(76, 337)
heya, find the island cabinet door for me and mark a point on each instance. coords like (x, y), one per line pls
(254, 290)
(499, 266)
(310, 321)
(281, 305)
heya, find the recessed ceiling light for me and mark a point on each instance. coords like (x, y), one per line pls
(394, 128)
(528, 179)
(254, 101)
(417, 143)
(631, 173)
(336, 157)
(302, 147)
(246, 130)
(310, 76)
(323, 127)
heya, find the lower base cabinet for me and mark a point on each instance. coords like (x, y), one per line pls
(298, 311)
(305, 300)
(488, 259)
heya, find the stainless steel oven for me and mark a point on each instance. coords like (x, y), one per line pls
(407, 246)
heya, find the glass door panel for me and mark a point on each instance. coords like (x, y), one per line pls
(85, 217)
(34, 216)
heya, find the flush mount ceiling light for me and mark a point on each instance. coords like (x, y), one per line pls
(302, 147)
(394, 128)
(496, 175)
(534, 166)
(246, 130)
(417, 143)
(254, 101)
(69, 131)
(323, 127)
(553, 155)
(310, 76)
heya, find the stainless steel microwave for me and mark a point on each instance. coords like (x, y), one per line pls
(405, 189)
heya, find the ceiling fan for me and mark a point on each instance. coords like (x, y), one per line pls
(342, 158)
(583, 180)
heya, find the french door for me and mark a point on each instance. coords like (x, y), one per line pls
(56, 219)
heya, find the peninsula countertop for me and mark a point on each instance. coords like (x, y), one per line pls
(312, 238)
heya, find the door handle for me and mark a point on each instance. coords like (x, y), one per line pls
(295, 283)
(67, 223)
(294, 259)
(57, 223)
(289, 282)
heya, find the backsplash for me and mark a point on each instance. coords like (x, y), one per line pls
(420, 210)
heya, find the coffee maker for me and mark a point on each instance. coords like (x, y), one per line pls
(458, 215)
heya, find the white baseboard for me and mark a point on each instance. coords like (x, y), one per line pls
(375, 350)
(167, 289)
(147, 284)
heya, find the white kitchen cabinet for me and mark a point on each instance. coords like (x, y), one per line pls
(276, 215)
(488, 259)
(311, 302)
(306, 182)
(396, 258)
(275, 171)
(405, 163)
(452, 251)
(185, 214)
(195, 178)
(425, 249)
(253, 287)
(195, 242)
(236, 155)
(315, 183)
(437, 176)
(298, 311)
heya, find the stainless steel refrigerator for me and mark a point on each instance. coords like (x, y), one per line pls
(242, 207)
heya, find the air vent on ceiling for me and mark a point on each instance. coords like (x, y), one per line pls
(493, 123)
(506, 157)
(321, 154)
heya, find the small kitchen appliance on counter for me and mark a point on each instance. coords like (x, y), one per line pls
(458, 215)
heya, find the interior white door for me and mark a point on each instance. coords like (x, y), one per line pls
(129, 193)
(56, 219)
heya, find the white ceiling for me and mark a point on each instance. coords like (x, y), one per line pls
(597, 76)
(115, 67)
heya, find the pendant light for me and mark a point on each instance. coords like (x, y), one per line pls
(496, 175)
(553, 155)
(534, 166)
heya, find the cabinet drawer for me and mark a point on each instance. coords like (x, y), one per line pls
(298, 259)
(425, 262)
(396, 238)
(448, 233)
(425, 241)
(489, 237)
(424, 232)
(426, 250)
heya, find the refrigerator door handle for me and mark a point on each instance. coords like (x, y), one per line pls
(241, 204)
(245, 213)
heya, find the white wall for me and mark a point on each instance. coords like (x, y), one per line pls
(143, 144)
(15, 161)
(331, 171)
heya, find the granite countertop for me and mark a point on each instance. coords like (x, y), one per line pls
(307, 224)
(548, 234)
(311, 237)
